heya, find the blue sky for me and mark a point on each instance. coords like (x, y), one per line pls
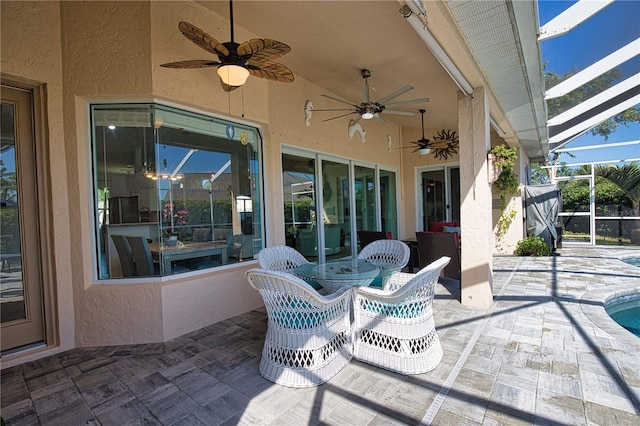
(605, 32)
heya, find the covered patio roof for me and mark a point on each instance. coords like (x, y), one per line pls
(421, 46)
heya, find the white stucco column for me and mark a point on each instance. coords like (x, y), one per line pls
(475, 199)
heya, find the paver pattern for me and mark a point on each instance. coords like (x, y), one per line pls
(545, 352)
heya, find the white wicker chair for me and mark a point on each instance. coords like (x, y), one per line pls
(308, 338)
(280, 258)
(394, 328)
(389, 255)
(286, 259)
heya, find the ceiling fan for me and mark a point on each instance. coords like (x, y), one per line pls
(368, 109)
(236, 61)
(423, 145)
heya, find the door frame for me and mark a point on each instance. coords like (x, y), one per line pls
(44, 213)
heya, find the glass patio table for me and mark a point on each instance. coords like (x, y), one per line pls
(337, 273)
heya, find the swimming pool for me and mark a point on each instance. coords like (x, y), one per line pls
(635, 261)
(625, 311)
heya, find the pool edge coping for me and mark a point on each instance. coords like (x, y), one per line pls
(593, 305)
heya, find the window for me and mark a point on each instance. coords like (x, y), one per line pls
(175, 191)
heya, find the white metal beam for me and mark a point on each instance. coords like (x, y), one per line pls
(604, 145)
(595, 120)
(571, 18)
(594, 101)
(603, 65)
(434, 46)
(621, 160)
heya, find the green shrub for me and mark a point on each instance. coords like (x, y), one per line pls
(532, 246)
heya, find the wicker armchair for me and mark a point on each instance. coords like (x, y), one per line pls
(394, 328)
(308, 338)
(389, 255)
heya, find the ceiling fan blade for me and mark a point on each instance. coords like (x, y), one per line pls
(380, 118)
(262, 49)
(398, 112)
(202, 39)
(411, 102)
(272, 71)
(340, 116)
(355, 120)
(365, 92)
(193, 63)
(339, 100)
(395, 94)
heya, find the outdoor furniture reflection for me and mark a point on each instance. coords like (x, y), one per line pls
(308, 240)
(182, 251)
(433, 245)
(394, 328)
(388, 255)
(308, 338)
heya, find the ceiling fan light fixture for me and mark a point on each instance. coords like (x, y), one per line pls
(233, 75)
(424, 151)
(368, 112)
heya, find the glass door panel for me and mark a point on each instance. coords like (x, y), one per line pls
(434, 197)
(298, 186)
(388, 202)
(454, 190)
(335, 213)
(365, 195)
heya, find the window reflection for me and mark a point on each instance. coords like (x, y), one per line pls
(181, 188)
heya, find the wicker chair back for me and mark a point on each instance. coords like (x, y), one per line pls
(394, 328)
(308, 338)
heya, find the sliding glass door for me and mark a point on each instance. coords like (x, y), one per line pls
(327, 200)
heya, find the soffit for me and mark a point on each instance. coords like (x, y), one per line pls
(502, 37)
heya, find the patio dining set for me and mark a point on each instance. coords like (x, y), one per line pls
(315, 327)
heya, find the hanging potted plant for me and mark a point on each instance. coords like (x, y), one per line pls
(502, 161)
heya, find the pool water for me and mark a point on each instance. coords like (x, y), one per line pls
(635, 261)
(626, 312)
